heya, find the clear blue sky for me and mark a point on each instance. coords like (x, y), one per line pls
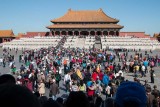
(34, 15)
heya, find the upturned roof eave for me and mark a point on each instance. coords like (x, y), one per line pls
(51, 27)
(53, 21)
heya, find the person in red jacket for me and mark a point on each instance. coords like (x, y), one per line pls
(29, 85)
(91, 90)
(111, 67)
(94, 75)
(100, 75)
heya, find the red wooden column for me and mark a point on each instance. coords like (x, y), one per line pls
(67, 33)
(53, 33)
(2, 40)
(108, 33)
(60, 33)
(114, 33)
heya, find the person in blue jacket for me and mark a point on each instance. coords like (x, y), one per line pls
(145, 63)
(105, 79)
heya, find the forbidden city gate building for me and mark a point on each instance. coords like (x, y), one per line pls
(94, 22)
(6, 36)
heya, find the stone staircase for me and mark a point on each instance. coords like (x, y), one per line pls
(98, 44)
(81, 42)
(61, 42)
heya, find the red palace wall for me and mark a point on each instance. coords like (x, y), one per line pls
(135, 34)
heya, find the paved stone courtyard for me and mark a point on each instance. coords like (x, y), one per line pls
(128, 76)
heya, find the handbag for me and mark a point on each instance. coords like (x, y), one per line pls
(154, 74)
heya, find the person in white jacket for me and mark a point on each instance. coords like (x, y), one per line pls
(67, 81)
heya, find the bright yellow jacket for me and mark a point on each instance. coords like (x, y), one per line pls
(79, 74)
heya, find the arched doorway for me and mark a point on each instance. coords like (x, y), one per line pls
(99, 33)
(70, 33)
(57, 33)
(92, 33)
(76, 33)
(63, 32)
(158, 37)
(105, 33)
(117, 33)
(85, 33)
(1, 40)
(53, 33)
(111, 33)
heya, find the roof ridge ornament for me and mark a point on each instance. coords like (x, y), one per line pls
(100, 9)
(69, 9)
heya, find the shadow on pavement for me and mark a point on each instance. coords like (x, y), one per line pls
(62, 88)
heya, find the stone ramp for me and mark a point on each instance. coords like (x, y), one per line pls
(98, 44)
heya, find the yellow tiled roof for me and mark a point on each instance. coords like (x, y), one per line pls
(6, 33)
(85, 26)
(19, 35)
(147, 35)
(85, 16)
(156, 35)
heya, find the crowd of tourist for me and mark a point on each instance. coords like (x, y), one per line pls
(87, 74)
